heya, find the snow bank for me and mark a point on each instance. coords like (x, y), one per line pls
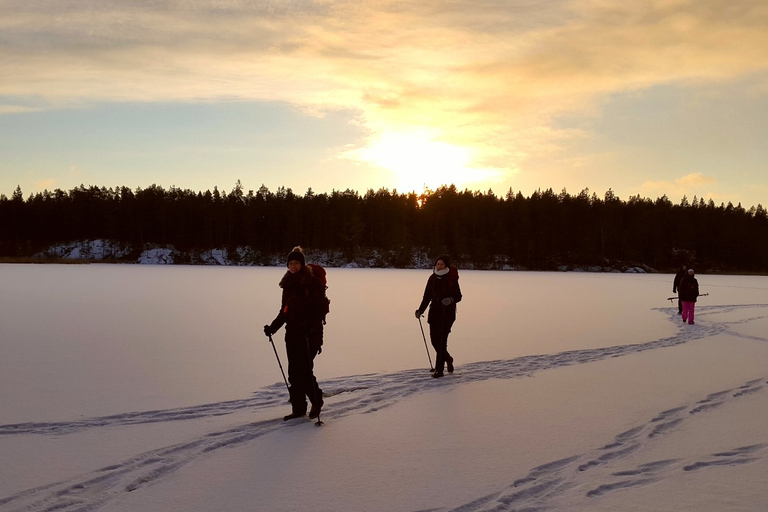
(153, 254)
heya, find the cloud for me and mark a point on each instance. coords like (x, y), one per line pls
(45, 184)
(690, 185)
(694, 180)
(492, 76)
(17, 109)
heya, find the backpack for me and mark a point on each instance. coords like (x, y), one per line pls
(319, 299)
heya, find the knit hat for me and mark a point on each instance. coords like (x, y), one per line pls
(690, 271)
(296, 255)
(445, 259)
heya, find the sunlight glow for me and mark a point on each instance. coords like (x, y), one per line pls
(419, 162)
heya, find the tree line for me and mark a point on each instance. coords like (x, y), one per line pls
(545, 230)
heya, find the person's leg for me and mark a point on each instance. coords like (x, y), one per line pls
(314, 393)
(688, 311)
(691, 310)
(437, 337)
(298, 376)
(447, 356)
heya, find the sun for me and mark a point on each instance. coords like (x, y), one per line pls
(420, 162)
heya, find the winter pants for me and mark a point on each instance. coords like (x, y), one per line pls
(303, 383)
(438, 335)
(688, 308)
(679, 307)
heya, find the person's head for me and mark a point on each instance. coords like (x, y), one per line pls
(685, 268)
(442, 262)
(690, 272)
(295, 260)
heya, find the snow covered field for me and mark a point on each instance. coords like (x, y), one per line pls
(128, 388)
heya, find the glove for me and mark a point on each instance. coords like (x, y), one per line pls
(268, 330)
(418, 314)
(447, 301)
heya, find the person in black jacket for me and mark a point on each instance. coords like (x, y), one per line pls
(441, 295)
(301, 316)
(678, 277)
(688, 292)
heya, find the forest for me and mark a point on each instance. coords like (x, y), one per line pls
(544, 231)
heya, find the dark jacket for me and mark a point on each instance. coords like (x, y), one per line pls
(299, 307)
(688, 289)
(678, 277)
(438, 288)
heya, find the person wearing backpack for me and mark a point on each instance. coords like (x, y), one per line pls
(302, 318)
(441, 295)
(679, 277)
(688, 291)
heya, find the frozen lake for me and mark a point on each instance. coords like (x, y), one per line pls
(135, 337)
(153, 388)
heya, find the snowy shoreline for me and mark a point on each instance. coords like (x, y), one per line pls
(104, 251)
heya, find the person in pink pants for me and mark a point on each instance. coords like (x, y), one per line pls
(688, 291)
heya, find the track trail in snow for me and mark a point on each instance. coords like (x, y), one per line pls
(595, 473)
(369, 393)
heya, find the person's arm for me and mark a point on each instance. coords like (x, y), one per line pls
(426, 299)
(457, 292)
(276, 324)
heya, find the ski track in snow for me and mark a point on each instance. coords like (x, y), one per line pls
(545, 484)
(370, 393)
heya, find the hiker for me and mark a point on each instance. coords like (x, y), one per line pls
(303, 342)
(441, 294)
(676, 284)
(689, 291)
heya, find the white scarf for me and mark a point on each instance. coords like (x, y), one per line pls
(441, 273)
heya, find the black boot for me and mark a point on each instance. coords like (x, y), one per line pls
(449, 364)
(437, 374)
(295, 414)
(314, 412)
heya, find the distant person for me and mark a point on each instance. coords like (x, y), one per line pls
(689, 291)
(441, 295)
(676, 284)
(301, 315)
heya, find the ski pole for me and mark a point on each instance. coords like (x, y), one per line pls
(431, 366)
(279, 363)
(675, 298)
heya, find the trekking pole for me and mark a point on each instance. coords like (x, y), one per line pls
(675, 298)
(279, 364)
(431, 366)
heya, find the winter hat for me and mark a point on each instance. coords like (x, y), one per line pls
(296, 255)
(690, 271)
(445, 259)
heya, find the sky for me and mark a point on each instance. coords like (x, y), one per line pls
(649, 98)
